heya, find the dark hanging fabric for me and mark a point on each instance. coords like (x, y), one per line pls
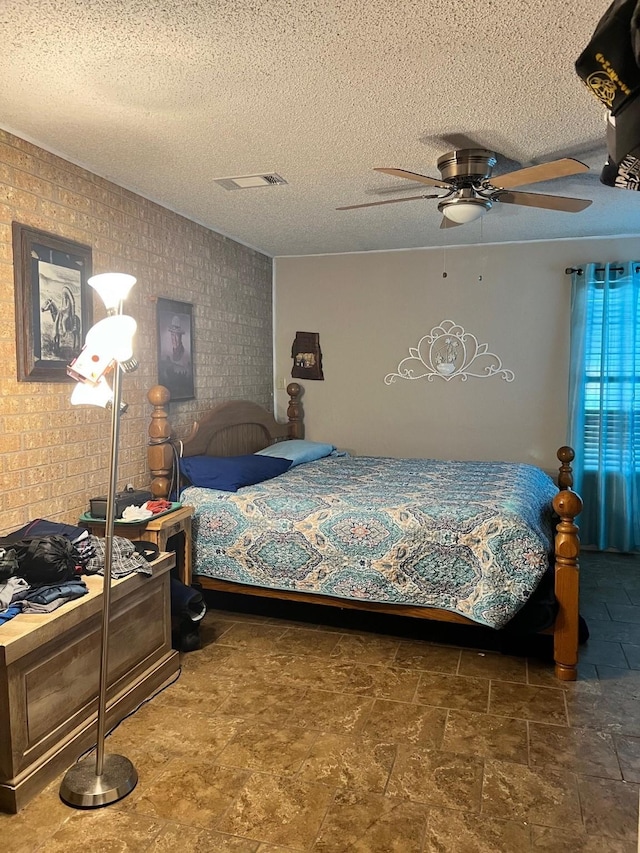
(610, 68)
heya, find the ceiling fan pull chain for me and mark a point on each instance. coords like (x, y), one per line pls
(483, 264)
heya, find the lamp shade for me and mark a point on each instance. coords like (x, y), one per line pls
(86, 394)
(113, 287)
(465, 210)
(108, 342)
(113, 336)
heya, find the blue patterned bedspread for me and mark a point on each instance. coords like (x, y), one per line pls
(469, 537)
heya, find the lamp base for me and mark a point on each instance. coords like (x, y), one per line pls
(82, 788)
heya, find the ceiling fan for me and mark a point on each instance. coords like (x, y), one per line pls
(471, 190)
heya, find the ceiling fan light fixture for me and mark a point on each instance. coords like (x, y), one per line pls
(462, 211)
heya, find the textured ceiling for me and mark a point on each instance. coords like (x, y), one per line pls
(164, 97)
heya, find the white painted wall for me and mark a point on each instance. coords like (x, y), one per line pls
(370, 308)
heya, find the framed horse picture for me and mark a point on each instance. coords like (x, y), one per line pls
(53, 302)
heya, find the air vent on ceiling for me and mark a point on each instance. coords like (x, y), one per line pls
(249, 182)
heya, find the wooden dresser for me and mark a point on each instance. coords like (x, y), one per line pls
(49, 673)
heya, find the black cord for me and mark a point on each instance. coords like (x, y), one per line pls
(131, 713)
(174, 482)
(146, 701)
(175, 474)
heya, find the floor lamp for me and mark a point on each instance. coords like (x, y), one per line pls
(108, 349)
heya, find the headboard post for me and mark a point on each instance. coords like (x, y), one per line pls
(159, 450)
(294, 415)
(565, 455)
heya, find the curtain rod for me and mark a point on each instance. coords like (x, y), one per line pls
(580, 271)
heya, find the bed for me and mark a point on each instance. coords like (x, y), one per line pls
(450, 541)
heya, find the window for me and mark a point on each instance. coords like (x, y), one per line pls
(612, 369)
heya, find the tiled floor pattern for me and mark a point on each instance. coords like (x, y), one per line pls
(282, 736)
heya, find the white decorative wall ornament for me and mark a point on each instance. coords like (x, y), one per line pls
(448, 351)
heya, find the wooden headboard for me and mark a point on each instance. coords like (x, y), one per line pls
(229, 429)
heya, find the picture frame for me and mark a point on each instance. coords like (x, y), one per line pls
(175, 347)
(54, 303)
(307, 356)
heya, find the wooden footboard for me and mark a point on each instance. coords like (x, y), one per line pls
(567, 505)
(240, 427)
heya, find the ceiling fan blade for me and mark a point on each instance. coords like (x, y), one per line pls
(549, 202)
(414, 176)
(543, 172)
(386, 201)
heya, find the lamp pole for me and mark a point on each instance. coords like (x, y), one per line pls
(108, 561)
(86, 785)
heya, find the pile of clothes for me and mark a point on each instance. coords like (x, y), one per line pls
(147, 510)
(42, 563)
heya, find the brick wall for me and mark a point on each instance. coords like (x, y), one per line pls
(54, 457)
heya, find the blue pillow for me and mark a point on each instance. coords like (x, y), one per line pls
(298, 450)
(229, 473)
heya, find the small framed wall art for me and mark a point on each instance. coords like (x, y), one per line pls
(175, 348)
(54, 303)
(307, 356)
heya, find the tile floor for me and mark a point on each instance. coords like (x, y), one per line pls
(284, 736)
